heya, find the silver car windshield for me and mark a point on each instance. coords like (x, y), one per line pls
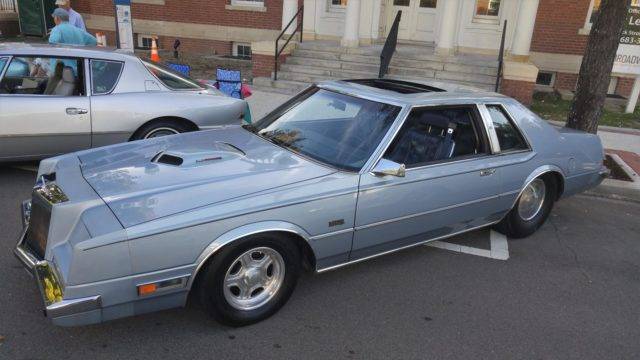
(172, 79)
(336, 129)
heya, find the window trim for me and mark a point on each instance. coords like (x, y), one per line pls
(257, 4)
(5, 67)
(478, 124)
(91, 76)
(234, 50)
(553, 79)
(81, 60)
(511, 120)
(335, 8)
(142, 36)
(486, 19)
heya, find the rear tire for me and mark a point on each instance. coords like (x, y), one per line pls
(239, 287)
(160, 128)
(527, 215)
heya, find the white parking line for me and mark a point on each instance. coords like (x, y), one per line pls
(499, 247)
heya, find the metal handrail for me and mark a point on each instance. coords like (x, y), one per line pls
(501, 56)
(299, 25)
(389, 47)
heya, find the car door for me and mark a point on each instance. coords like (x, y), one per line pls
(44, 109)
(449, 185)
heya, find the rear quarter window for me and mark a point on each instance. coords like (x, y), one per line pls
(104, 76)
(509, 136)
(172, 79)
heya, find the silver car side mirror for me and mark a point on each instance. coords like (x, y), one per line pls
(388, 167)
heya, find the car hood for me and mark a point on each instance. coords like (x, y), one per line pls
(145, 180)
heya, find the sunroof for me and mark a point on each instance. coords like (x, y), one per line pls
(399, 86)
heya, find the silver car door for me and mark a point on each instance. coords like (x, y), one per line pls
(45, 110)
(449, 186)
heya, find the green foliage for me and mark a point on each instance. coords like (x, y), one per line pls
(551, 107)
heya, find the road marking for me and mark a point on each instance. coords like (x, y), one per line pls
(499, 247)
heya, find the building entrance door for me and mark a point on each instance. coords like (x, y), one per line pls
(418, 18)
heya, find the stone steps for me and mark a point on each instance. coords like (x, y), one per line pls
(315, 61)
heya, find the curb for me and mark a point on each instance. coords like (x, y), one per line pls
(618, 189)
(612, 129)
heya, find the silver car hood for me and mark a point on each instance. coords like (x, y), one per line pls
(145, 180)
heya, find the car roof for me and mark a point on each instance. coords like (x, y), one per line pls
(440, 92)
(19, 48)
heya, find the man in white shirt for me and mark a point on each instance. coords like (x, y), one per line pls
(75, 19)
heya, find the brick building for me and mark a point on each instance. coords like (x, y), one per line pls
(544, 40)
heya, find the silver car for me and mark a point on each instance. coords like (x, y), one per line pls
(343, 172)
(59, 99)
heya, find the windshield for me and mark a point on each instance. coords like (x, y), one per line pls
(336, 129)
(172, 79)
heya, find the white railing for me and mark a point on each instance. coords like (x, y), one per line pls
(8, 5)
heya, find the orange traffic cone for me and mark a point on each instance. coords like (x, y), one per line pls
(154, 51)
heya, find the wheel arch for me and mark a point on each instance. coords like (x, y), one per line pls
(546, 170)
(190, 124)
(289, 230)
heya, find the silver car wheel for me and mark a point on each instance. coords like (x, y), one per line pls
(532, 199)
(161, 131)
(254, 278)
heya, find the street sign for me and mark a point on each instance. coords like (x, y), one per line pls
(124, 29)
(628, 55)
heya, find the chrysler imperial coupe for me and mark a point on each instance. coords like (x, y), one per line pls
(343, 172)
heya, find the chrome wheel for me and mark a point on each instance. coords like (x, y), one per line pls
(254, 278)
(532, 199)
(161, 131)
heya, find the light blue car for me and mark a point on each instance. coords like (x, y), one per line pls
(343, 172)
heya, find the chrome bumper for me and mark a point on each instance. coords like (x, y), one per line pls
(48, 281)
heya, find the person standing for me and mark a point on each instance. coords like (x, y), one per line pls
(75, 18)
(65, 33)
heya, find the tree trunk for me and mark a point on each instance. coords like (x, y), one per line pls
(595, 71)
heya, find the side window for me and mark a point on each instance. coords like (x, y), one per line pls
(509, 137)
(440, 134)
(43, 76)
(104, 76)
(3, 62)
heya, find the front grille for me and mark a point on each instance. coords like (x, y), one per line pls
(38, 230)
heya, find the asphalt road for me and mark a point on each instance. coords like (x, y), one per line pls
(571, 291)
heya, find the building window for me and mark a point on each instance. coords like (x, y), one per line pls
(144, 41)
(487, 8)
(247, 3)
(546, 78)
(242, 50)
(428, 4)
(613, 85)
(339, 3)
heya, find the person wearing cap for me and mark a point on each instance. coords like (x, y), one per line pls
(75, 18)
(65, 33)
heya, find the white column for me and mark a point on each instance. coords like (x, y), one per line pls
(351, 24)
(447, 32)
(289, 9)
(521, 43)
(633, 98)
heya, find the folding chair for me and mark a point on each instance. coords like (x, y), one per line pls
(229, 82)
(180, 68)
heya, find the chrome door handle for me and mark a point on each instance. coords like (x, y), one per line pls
(76, 111)
(487, 172)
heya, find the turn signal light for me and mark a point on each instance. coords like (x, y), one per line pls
(146, 289)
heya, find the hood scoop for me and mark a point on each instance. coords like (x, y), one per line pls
(197, 156)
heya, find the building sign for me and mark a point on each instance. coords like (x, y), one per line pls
(628, 55)
(124, 29)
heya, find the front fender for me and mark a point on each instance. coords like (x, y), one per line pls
(244, 231)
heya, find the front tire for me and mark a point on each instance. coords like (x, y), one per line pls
(250, 280)
(531, 210)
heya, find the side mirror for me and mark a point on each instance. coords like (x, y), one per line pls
(388, 167)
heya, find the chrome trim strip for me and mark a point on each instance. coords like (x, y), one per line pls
(402, 248)
(74, 306)
(489, 128)
(388, 221)
(329, 234)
